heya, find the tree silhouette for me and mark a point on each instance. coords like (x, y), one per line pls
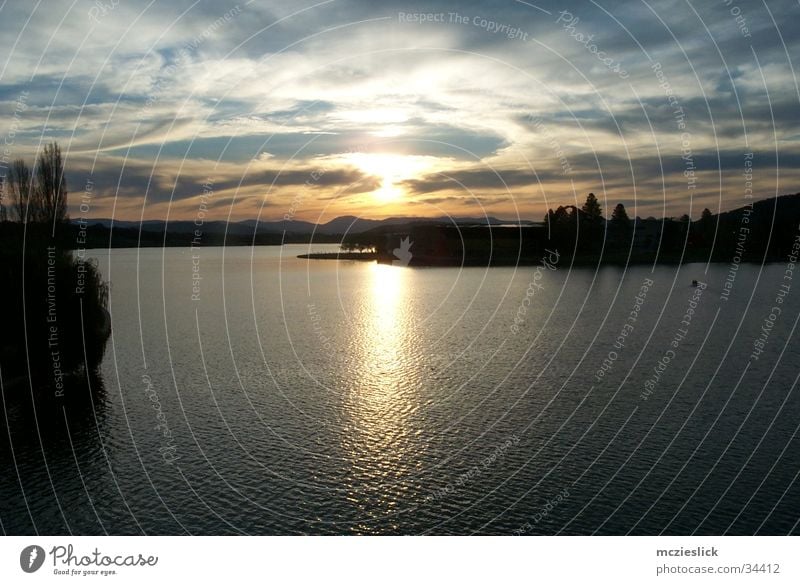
(50, 190)
(39, 197)
(54, 302)
(3, 195)
(592, 207)
(565, 215)
(592, 228)
(563, 224)
(706, 227)
(19, 185)
(619, 217)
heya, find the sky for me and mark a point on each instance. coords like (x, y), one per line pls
(312, 110)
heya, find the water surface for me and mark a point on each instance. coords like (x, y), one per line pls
(247, 391)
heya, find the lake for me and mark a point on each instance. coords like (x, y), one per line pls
(244, 390)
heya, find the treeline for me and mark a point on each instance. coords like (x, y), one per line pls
(55, 319)
(758, 232)
(585, 233)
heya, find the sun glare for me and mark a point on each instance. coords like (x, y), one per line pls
(388, 192)
(392, 169)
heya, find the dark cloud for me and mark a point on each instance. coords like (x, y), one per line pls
(160, 185)
(603, 168)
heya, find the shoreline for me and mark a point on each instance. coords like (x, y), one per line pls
(421, 261)
(576, 262)
(356, 256)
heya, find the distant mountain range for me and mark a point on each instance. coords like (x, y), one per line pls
(771, 225)
(347, 224)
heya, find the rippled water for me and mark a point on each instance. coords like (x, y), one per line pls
(294, 396)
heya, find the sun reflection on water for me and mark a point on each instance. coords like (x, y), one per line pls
(383, 395)
(382, 344)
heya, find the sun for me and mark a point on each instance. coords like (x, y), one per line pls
(392, 170)
(388, 191)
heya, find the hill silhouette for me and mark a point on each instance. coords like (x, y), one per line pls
(762, 232)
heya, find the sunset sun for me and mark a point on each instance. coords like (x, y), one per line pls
(392, 170)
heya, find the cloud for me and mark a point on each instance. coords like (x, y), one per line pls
(147, 99)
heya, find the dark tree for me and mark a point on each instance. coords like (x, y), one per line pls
(39, 198)
(592, 207)
(592, 228)
(706, 227)
(50, 191)
(564, 215)
(37, 257)
(620, 217)
(563, 224)
(3, 201)
(19, 186)
(620, 228)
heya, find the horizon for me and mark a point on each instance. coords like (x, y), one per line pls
(604, 215)
(263, 112)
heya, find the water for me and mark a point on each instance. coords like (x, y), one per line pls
(295, 397)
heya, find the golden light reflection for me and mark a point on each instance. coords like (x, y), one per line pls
(384, 331)
(383, 395)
